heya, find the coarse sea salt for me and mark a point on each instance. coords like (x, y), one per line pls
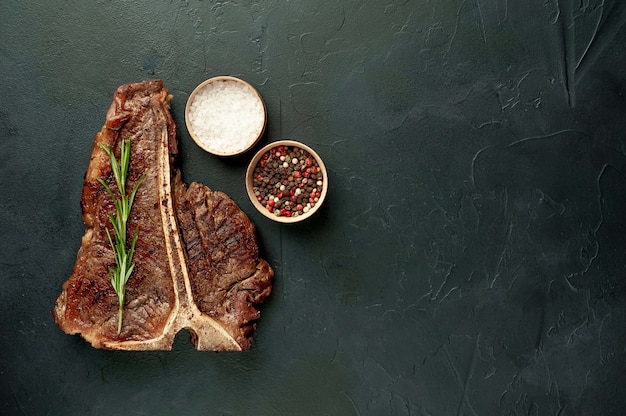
(226, 116)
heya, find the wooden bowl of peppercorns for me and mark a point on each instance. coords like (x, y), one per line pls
(287, 181)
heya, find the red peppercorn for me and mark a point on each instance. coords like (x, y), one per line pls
(306, 174)
(299, 207)
(259, 176)
(297, 174)
(270, 203)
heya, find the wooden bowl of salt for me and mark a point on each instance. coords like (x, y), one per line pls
(225, 116)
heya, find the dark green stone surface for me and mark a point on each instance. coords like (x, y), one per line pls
(469, 259)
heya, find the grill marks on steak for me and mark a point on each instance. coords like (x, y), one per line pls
(196, 258)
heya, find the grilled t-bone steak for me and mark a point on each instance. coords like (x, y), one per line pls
(196, 259)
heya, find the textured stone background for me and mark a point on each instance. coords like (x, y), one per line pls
(469, 259)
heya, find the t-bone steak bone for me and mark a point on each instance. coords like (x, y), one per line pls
(197, 264)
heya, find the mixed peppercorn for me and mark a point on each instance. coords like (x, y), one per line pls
(288, 181)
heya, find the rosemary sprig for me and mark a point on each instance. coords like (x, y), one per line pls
(123, 255)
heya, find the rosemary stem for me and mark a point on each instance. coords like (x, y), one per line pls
(121, 313)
